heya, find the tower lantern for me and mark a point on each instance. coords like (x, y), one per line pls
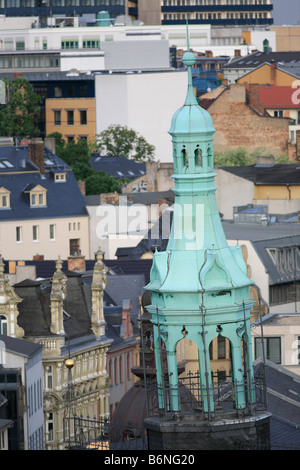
(199, 288)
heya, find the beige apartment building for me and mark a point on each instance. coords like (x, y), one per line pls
(42, 210)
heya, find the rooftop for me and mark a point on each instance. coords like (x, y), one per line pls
(258, 58)
(264, 174)
(118, 167)
(18, 174)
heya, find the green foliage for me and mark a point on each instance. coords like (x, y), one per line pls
(77, 154)
(19, 115)
(100, 182)
(121, 141)
(240, 157)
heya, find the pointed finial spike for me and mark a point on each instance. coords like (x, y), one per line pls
(187, 36)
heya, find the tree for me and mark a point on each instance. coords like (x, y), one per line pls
(240, 157)
(18, 116)
(76, 151)
(77, 154)
(101, 182)
(121, 141)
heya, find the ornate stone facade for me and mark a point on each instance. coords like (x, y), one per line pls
(66, 317)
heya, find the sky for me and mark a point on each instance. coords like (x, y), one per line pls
(286, 12)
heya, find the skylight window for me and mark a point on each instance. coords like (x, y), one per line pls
(6, 164)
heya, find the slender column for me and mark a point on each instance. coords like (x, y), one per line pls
(159, 373)
(250, 370)
(205, 381)
(237, 377)
(173, 381)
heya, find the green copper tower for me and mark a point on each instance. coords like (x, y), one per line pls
(199, 285)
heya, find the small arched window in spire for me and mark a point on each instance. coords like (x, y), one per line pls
(185, 158)
(198, 156)
(209, 157)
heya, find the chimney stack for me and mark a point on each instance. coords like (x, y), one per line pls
(76, 263)
(36, 154)
(273, 73)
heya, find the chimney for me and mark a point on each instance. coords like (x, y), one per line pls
(208, 54)
(38, 257)
(36, 154)
(126, 327)
(76, 263)
(253, 95)
(237, 53)
(81, 185)
(50, 143)
(273, 73)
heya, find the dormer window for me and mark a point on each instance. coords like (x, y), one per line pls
(60, 177)
(4, 198)
(37, 195)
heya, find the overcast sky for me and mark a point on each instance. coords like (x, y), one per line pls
(286, 12)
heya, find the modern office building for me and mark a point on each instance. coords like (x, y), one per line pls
(214, 12)
(45, 9)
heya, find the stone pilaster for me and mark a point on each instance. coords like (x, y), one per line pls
(9, 301)
(98, 286)
(58, 292)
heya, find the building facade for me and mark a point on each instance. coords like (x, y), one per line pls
(217, 13)
(69, 323)
(34, 182)
(46, 9)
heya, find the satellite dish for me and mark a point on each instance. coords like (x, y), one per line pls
(123, 20)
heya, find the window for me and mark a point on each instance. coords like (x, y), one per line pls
(3, 325)
(74, 246)
(70, 117)
(18, 234)
(60, 177)
(35, 233)
(90, 43)
(20, 45)
(52, 230)
(128, 366)
(57, 117)
(37, 199)
(71, 91)
(69, 44)
(83, 119)
(116, 371)
(221, 347)
(272, 348)
(83, 91)
(4, 198)
(57, 91)
(49, 377)
(121, 368)
(37, 196)
(50, 427)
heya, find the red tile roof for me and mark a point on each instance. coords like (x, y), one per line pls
(280, 97)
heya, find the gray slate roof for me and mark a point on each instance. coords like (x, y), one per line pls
(258, 58)
(283, 395)
(63, 199)
(118, 167)
(274, 174)
(35, 315)
(20, 346)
